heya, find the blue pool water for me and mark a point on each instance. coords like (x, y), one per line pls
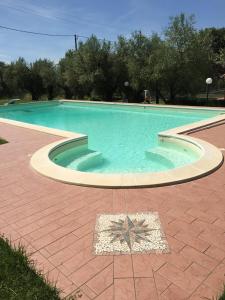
(124, 136)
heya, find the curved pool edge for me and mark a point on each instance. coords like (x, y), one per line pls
(211, 160)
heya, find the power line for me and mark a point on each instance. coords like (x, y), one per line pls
(49, 34)
(35, 33)
(76, 36)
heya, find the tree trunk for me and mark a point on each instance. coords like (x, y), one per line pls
(68, 94)
(172, 93)
(162, 96)
(156, 93)
(50, 92)
(34, 95)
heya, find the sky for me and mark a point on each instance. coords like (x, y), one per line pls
(104, 18)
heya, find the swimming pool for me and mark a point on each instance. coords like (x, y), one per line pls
(121, 139)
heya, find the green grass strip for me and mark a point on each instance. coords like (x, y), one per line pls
(18, 278)
(2, 141)
(222, 297)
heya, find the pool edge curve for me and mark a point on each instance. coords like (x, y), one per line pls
(212, 159)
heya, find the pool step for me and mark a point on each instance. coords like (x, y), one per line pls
(88, 161)
(160, 155)
(79, 158)
(169, 156)
(66, 157)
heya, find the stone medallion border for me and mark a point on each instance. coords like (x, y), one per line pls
(129, 233)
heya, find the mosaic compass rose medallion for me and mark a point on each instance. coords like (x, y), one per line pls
(129, 233)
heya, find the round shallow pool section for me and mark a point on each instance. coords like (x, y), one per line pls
(165, 156)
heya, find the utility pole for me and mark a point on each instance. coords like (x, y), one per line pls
(75, 40)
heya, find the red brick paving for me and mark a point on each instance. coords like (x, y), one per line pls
(55, 222)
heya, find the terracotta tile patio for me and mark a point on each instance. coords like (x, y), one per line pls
(56, 222)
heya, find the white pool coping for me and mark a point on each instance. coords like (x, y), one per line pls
(211, 159)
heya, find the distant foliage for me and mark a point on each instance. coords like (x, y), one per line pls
(173, 65)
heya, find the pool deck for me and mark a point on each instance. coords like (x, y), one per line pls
(56, 222)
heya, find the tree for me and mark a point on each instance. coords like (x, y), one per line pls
(217, 39)
(3, 86)
(66, 75)
(155, 66)
(94, 68)
(217, 45)
(42, 79)
(139, 52)
(188, 59)
(120, 66)
(14, 77)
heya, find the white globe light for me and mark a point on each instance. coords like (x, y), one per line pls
(209, 81)
(126, 83)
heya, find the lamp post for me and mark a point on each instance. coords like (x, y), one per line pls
(126, 85)
(146, 92)
(208, 82)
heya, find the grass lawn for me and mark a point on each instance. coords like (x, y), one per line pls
(18, 278)
(2, 141)
(222, 297)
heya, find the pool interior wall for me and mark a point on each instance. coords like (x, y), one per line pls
(121, 139)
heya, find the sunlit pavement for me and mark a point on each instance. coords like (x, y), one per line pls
(56, 223)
